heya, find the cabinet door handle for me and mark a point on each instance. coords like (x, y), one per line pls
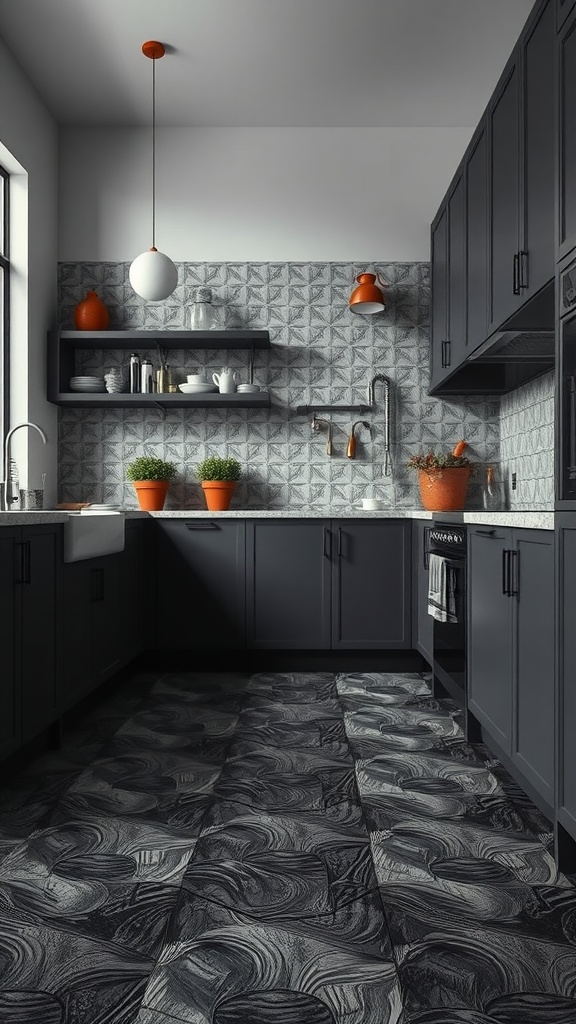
(516, 274)
(523, 262)
(443, 353)
(201, 526)
(19, 562)
(97, 584)
(339, 542)
(486, 533)
(514, 573)
(505, 573)
(26, 562)
(426, 547)
(448, 352)
(327, 543)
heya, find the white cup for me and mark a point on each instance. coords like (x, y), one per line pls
(225, 380)
(197, 378)
(371, 504)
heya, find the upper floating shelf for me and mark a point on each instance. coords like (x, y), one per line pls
(167, 339)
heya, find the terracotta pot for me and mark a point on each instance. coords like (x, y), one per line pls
(218, 494)
(91, 314)
(444, 490)
(151, 494)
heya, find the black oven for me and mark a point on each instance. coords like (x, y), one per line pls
(449, 637)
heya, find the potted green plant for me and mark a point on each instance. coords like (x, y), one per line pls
(219, 477)
(443, 478)
(151, 478)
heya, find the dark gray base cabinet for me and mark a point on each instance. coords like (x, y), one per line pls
(422, 638)
(511, 648)
(200, 584)
(566, 697)
(288, 584)
(92, 625)
(332, 584)
(29, 694)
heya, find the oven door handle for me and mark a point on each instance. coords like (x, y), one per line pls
(426, 548)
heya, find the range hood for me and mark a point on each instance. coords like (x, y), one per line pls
(527, 337)
(522, 349)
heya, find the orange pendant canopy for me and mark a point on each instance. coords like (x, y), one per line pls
(367, 297)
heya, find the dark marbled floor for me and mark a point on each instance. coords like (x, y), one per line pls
(278, 849)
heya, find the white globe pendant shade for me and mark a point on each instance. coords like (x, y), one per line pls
(153, 276)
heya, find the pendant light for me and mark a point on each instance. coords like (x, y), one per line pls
(153, 276)
(368, 296)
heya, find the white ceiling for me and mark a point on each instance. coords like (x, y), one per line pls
(386, 63)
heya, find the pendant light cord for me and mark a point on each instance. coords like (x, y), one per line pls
(154, 153)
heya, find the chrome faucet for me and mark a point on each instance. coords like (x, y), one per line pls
(4, 486)
(384, 380)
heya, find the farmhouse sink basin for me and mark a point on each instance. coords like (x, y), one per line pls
(90, 534)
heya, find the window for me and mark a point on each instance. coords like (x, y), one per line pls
(4, 297)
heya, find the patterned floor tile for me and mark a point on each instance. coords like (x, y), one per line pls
(217, 958)
(55, 977)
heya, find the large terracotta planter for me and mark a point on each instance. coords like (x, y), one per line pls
(151, 494)
(444, 490)
(218, 494)
(91, 314)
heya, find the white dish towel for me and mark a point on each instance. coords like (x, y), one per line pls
(442, 589)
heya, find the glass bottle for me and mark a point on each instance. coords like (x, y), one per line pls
(203, 316)
(491, 492)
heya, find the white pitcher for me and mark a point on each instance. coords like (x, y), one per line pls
(226, 380)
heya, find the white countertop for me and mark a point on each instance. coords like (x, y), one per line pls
(529, 520)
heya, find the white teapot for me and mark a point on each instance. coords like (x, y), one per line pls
(226, 380)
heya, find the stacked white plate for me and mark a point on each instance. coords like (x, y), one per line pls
(197, 389)
(88, 384)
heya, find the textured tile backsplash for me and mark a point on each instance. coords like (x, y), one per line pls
(321, 353)
(527, 444)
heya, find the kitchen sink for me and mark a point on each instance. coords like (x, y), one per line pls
(90, 534)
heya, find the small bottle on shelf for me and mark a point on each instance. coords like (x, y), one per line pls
(135, 374)
(203, 316)
(147, 377)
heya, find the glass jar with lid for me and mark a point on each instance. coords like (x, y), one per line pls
(202, 315)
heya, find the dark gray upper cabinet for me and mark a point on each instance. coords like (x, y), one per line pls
(521, 136)
(371, 593)
(511, 650)
(200, 584)
(563, 9)
(537, 243)
(422, 633)
(288, 567)
(474, 297)
(489, 633)
(566, 161)
(504, 295)
(448, 284)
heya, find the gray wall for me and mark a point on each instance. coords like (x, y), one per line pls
(527, 444)
(321, 352)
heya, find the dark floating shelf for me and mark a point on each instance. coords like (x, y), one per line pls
(166, 339)
(120, 400)
(305, 410)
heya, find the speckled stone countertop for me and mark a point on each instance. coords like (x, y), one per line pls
(529, 520)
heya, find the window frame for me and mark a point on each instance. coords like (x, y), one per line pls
(5, 299)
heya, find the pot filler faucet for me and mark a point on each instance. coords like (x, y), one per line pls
(4, 486)
(386, 382)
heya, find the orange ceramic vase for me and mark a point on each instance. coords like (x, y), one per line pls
(444, 490)
(151, 494)
(91, 314)
(218, 494)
